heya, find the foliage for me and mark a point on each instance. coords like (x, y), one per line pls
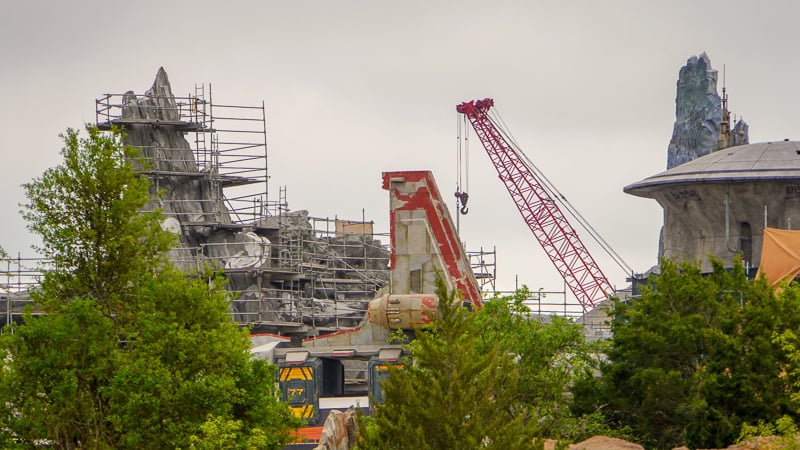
(368, 432)
(131, 353)
(549, 358)
(499, 362)
(219, 433)
(695, 357)
(87, 212)
(3, 255)
(54, 367)
(782, 434)
(454, 391)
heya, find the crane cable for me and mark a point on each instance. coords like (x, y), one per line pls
(462, 169)
(558, 196)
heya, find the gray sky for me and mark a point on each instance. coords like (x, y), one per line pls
(355, 88)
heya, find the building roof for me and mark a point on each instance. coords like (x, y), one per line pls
(753, 162)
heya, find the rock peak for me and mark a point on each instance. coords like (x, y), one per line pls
(160, 95)
(698, 112)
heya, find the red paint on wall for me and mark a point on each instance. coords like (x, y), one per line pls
(427, 198)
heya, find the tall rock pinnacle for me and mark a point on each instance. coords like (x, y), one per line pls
(698, 112)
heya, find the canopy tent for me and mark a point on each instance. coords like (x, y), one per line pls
(780, 255)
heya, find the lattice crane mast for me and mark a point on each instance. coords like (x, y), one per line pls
(539, 210)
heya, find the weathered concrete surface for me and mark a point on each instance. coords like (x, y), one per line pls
(711, 199)
(424, 240)
(720, 203)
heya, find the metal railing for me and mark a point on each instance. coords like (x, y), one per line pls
(111, 108)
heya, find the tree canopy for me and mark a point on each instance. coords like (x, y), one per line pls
(696, 357)
(697, 360)
(494, 378)
(551, 353)
(87, 212)
(452, 391)
(130, 352)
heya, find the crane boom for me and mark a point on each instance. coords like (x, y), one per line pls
(539, 210)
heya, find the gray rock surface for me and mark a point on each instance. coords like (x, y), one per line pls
(698, 112)
(740, 133)
(181, 190)
(278, 268)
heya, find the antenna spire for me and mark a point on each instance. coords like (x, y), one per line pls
(725, 125)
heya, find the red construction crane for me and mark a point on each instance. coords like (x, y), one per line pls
(539, 210)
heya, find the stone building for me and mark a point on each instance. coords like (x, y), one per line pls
(720, 203)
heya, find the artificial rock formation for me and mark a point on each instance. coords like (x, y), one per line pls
(702, 121)
(281, 272)
(185, 194)
(698, 112)
(697, 222)
(192, 204)
(720, 203)
(340, 431)
(260, 259)
(740, 133)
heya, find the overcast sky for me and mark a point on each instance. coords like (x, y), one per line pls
(355, 88)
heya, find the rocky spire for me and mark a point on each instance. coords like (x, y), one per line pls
(698, 112)
(740, 133)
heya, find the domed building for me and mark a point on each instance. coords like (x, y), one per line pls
(720, 204)
(722, 195)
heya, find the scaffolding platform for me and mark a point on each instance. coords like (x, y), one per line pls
(186, 127)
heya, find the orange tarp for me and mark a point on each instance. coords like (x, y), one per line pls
(780, 255)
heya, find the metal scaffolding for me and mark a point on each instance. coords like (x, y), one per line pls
(296, 269)
(228, 147)
(286, 271)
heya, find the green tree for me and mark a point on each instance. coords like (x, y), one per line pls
(550, 357)
(87, 212)
(130, 353)
(454, 392)
(695, 358)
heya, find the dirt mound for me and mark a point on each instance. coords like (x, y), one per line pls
(605, 443)
(609, 443)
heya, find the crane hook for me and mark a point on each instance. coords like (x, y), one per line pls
(462, 198)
